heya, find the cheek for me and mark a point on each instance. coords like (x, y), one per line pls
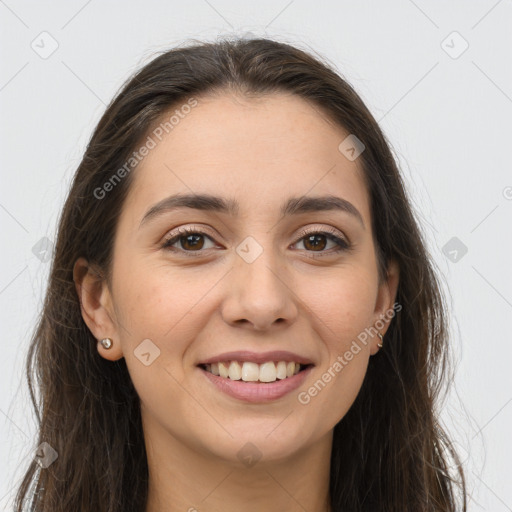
(341, 304)
(159, 306)
(155, 302)
(341, 310)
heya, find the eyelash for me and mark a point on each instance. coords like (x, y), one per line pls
(343, 245)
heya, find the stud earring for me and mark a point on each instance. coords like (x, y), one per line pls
(381, 338)
(106, 343)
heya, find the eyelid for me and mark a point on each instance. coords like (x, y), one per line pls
(326, 229)
(184, 230)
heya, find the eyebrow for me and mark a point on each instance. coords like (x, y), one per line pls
(293, 206)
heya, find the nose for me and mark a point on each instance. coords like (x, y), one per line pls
(259, 294)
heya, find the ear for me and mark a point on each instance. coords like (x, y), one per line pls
(386, 296)
(96, 307)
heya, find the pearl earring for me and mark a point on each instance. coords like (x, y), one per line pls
(106, 343)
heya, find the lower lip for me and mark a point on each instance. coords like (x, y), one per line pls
(257, 391)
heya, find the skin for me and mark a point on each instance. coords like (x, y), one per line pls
(260, 152)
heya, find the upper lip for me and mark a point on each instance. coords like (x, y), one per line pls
(258, 357)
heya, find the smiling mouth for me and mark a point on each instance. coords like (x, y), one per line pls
(246, 371)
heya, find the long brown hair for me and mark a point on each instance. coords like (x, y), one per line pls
(389, 452)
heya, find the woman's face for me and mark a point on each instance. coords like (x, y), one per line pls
(248, 284)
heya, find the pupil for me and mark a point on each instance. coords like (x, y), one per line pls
(316, 245)
(195, 237)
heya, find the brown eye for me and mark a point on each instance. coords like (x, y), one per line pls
(315, 242)
(192, 242)
(188, 241)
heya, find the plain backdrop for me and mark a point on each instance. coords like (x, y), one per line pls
(436, 75)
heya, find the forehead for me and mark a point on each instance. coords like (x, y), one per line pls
(259, 150)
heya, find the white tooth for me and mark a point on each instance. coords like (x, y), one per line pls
(281, 370)
(215, 368)
(224, 370)
(235, 370)
(268, 372)
(207, 367)
(250, 372)
(290, 369)
(297, 368)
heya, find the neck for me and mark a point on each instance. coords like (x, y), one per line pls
(188, 479)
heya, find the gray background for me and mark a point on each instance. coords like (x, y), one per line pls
(446, 112)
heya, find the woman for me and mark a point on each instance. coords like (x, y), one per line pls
(241, 311)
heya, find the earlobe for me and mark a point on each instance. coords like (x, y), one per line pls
(95, 305)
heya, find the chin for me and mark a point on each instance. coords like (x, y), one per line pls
(261, 443)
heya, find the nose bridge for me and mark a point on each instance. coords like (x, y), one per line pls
(258, 291)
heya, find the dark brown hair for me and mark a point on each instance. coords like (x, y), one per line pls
(389, 451)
